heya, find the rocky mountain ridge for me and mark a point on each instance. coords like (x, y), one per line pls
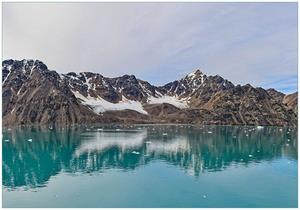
(33, 94)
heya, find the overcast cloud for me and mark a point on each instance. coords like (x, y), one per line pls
(252, 43)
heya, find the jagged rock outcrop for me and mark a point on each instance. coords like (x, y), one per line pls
(33, 94)
(291, 101)
(275, 94)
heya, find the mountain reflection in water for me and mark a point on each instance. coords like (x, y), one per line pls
(194, 150)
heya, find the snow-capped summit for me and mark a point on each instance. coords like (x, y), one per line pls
(186, 85)
(194, 74)
(195, 79)
(22, 68)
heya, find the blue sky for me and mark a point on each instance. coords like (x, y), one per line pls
(252, 43)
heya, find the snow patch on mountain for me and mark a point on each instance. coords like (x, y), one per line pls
(168, 99)
(192, 75)
(99, 105)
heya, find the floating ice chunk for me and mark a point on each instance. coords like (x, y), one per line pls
(100, 129)
(118, 129)
(204, 196)
(209, 131)
(135, 152)
(250, 155)
(260, 127)
(6, 140)
(30, 140)
(164, 134)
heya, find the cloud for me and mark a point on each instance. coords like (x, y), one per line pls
(244, 42)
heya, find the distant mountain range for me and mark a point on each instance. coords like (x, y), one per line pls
(33, 94)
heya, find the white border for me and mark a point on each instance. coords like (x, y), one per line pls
(94, 1)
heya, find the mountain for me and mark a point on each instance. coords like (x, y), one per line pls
(33, 94)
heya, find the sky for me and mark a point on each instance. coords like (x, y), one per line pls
(252, 43)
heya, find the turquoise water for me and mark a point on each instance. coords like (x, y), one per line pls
(150, 166)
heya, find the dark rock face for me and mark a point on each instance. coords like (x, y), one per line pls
(33, 94)
(110, 89)
(132, 88)
(87, 83)
(249, 105)
(275, 94)
(291, 101)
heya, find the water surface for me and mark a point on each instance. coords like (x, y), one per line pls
(150, 166)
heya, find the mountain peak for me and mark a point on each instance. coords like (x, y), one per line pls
(196, 77)
(25, 63)
(195, 73)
